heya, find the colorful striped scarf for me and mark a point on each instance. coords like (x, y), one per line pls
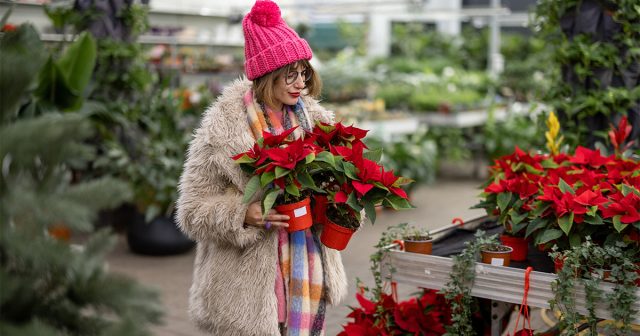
(299, 286)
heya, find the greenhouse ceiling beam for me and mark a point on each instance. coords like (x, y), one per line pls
(505, 284)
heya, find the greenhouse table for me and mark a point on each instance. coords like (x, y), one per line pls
(503, 284)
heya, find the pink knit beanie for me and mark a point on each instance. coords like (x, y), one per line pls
(268, 42)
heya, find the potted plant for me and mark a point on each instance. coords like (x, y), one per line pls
(361, 185)
(496, 254)
(417, 240)
(281, 166)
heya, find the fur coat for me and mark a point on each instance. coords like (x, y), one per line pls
(235, 267)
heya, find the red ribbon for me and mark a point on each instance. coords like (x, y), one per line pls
(524, 308)
(457, 220)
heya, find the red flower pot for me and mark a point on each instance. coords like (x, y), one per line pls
(335, 236)
(520, 246)
(299, 214)
(320, 209)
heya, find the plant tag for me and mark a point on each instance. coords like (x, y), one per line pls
(497, 261)
(299, 212)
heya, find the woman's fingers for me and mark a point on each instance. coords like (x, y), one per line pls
(276, 219)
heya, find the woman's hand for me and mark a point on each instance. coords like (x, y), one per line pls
(253, 217)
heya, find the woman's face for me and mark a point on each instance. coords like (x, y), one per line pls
(289, 85)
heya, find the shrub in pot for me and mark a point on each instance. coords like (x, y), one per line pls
(496, 254)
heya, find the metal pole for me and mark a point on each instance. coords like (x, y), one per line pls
(495, 58)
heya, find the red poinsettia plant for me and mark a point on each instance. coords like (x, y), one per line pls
(561, 199)
(352, 177)
(425, 315)
(280, 166)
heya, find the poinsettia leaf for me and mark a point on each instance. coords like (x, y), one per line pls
(503, 201)
(352, 201)
(402, 181)
(326, 157)
(307, 181)
(260, 142)
(549, 164)
(592, 211)
(535, 225)
(548, 235)
(251, 188)
(370, 210)
(565, 187)
(593, 220)
(515, 228)
(373, 155)
(280, 172)
(292, 189)
(350, 170)
(325, 128)
(268, 201)
(617, 224)
(627, 189)
(540, 208)
(516, 218)
(267, 178)
(566, 222)
(309, 158)
(575, 239)
(398, 203)
(245, 159)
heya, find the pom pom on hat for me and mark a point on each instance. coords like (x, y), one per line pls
(269, 43)
(265, 13)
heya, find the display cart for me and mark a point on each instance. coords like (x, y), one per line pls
(502, 285)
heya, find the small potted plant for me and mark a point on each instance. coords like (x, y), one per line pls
(280, 167)
(417, 240)
(496, 254)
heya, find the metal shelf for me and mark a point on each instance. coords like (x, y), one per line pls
(505, 284)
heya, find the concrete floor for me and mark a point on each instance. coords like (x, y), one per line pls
(435, 205)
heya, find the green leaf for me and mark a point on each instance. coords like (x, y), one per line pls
(350, 170)
(53, 87)
(373, 155)
(398, 203)
(565, 223)
(251, 188)
(617, 224)
(627, 189)
(268, 201)
(370, 210)
(593, 220)
(575, 239)
(267, 178)
(352, 201)
(516, 218)
(592, 211)
(22, 55)
(280, 172)
(503, 201)
(565, 187)
(307, 182)
(292, 189)
(326, 157)
(78, 62)
(539, 209)
(535, 225)
(309, 158)
(245, 159)
(549, 235)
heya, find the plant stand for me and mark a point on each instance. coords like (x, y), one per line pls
(429, 271)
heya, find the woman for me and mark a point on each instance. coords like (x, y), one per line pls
(245, 280)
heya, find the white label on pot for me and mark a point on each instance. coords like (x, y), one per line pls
(299, 212)
(497, 261)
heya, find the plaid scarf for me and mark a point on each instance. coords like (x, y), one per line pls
(299, 286)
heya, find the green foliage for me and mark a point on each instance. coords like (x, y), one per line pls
(458, 290)
(499, 138)
(585, 59)
(585, 264)
(49, 287)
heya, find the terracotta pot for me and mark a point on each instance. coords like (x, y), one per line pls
(335, 236)
(320, 208)
(418, 246)
(520, 246)
(299, 214)
(497, 258)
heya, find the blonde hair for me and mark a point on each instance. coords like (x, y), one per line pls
(263, 86)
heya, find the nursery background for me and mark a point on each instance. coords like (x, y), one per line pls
(487, 105)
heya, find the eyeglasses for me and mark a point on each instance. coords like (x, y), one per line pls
(292, 76)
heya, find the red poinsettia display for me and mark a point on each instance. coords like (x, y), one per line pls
(563, 198)
(425, 315)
